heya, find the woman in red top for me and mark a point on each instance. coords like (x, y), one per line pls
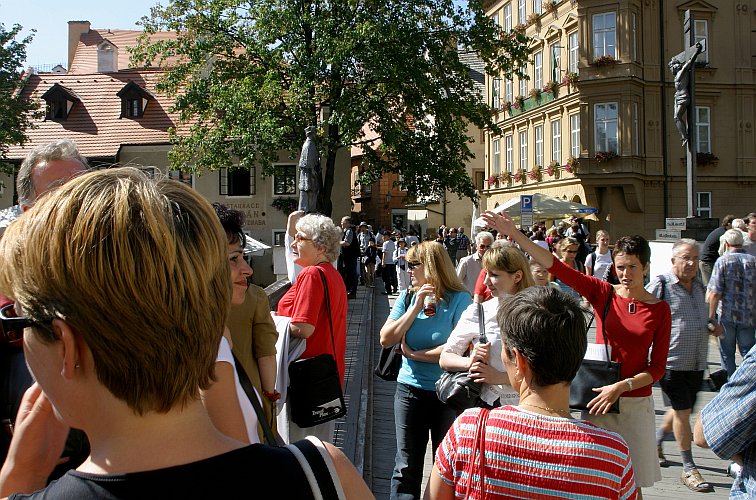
(636, 323)
(316, 244)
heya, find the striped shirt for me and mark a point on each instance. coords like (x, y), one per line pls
(528, 455)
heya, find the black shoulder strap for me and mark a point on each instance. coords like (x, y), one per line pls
(249, 390)
(593, 263)
(603, 320)
(319, 469)
(328, 308)
(481, 324)
(663, 281)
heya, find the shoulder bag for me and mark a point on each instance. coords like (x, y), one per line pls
(595, 373)
(271, 438)
(315, 394)
(390, 359)
(321, 478)
(457, 389)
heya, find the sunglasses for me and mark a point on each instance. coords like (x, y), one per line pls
(571, 251)
(12, 326)
(413, 265)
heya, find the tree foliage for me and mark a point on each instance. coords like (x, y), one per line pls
(249, 76)
(15, 113)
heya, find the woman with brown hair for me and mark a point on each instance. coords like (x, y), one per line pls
(421, 326)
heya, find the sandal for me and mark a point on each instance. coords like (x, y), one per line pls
(695, 482)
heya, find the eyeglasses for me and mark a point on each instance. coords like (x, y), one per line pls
(12, 326)
(571, 251)
(413, 265)
(300, 238)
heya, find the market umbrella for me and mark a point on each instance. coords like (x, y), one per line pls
(544, 207)
(253, 246)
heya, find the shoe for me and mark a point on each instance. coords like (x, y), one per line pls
(693, 480)
(733, 470)
(662, 459)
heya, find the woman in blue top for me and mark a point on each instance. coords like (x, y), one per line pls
(417, 410)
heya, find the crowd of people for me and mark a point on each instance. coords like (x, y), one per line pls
(117, 280)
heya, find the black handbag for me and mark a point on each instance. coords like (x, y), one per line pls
(595, 373)
(457, 389)
(716, 380)
(390, 359)
(315, 394)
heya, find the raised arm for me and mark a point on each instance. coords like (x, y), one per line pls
(503, 223)
(393, 330)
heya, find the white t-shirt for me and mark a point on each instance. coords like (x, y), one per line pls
(388, 252)
(467, 331)
(248, 411)
(603, 261)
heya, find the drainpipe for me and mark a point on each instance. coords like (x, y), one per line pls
(663, 80)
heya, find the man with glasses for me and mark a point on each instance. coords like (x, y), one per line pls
(45, 168)
(469, 267)
(688, 351)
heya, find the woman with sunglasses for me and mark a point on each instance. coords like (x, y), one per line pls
(421, 326)
(568, 249)
(637, 325)
(316, 245)
(507, 272)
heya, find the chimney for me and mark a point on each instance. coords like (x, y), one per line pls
(75, 30)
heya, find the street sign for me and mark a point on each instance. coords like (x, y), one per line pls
(526, 210)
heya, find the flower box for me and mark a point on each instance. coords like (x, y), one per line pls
(286, 205)
(535, 93)
(606, 60)
(572, 165)
(604, 156)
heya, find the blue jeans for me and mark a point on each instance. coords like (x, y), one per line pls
(745, 337)
(417, 414)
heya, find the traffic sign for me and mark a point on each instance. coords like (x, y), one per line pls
(526, 210)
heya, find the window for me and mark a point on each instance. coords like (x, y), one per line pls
(539, 145)
(636, 131)
(57, 109)
(509, 152)
(279, 238)
(555, 63)
(478, 177)
(285, 179)
(58, 102)
(573, 55)
(508, 17)
(508, 90)
(496, 157)
(704, 204)
(134, 100)
(556, 141)
(524, 82)
(134, 108)
(703, 129)
(634, 27)
(702, 33)
(237, 181)
(181, 176)
(605, 34)
(538, 69)
(524, 150)
(605, 121)
(521, 14)
(537, 6)
(575, 135)
(496, 93)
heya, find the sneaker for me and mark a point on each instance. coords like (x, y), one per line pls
(733, 470)
(695, 482)
(662, 459)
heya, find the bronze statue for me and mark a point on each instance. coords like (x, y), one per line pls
(309, 173)
(682, 91)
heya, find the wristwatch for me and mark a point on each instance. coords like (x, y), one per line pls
(629, 383)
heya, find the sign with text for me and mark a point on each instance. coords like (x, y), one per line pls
(677, 224)
(526, 210)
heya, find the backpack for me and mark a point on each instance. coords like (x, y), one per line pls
(610, 275)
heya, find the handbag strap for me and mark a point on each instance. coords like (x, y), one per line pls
(479, 445)
(316, 470)
(481, 324)
(603, 321)
(328, 308)
(249, 390)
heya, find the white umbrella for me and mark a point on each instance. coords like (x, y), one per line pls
(253, 246)
(544, 207)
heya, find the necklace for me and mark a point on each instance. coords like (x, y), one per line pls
(546, 408)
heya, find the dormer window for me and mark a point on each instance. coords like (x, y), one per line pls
(59, 102)
(107, 57)
(134, 100)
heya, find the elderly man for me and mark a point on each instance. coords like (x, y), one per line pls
(732, 295)
(728, 425)
(45, 168)
(469, 267)
(688, 348)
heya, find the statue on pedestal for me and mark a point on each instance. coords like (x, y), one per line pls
(309, 173)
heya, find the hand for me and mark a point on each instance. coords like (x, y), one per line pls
(480, 352)
(718, 330)
(424, 291)
(407, 351)
(485, 373)
(502, 222)
(608, 395)
(36, 446)
(291, 223)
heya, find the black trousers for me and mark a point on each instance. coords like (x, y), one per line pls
(389, 278)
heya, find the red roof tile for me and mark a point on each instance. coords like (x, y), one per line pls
(85, 59)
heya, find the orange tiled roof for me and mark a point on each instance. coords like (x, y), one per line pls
(94, 123)
(85, 58)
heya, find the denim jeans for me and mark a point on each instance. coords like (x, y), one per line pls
(418, 413)
(745, 337)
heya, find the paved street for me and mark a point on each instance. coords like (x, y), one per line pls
(366, 434)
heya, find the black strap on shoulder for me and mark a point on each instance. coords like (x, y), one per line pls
(603, 321)
(319, 469)
(328, 308)
(481, 324)
(249, 390)
(593, 263)
(663, 281)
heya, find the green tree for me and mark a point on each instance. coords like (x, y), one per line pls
(249, 76)
(15, 113)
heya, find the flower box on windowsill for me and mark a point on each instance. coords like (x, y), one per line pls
(286, 205)
(604, 156)
(604, 61)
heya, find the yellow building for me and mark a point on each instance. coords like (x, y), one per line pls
(601, 130)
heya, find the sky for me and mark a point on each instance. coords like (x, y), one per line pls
(50, 19)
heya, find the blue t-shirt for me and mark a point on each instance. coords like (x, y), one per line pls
(428, 332)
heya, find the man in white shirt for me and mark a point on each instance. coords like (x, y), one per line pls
(388, 265)
(468, 268)
(599, 263)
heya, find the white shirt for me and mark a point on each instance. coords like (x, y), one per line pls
(467, 331)
(248, 411)
(388, 252)
(603, 261)
(468, 271)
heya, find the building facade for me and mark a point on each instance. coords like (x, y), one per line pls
(593, 123)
